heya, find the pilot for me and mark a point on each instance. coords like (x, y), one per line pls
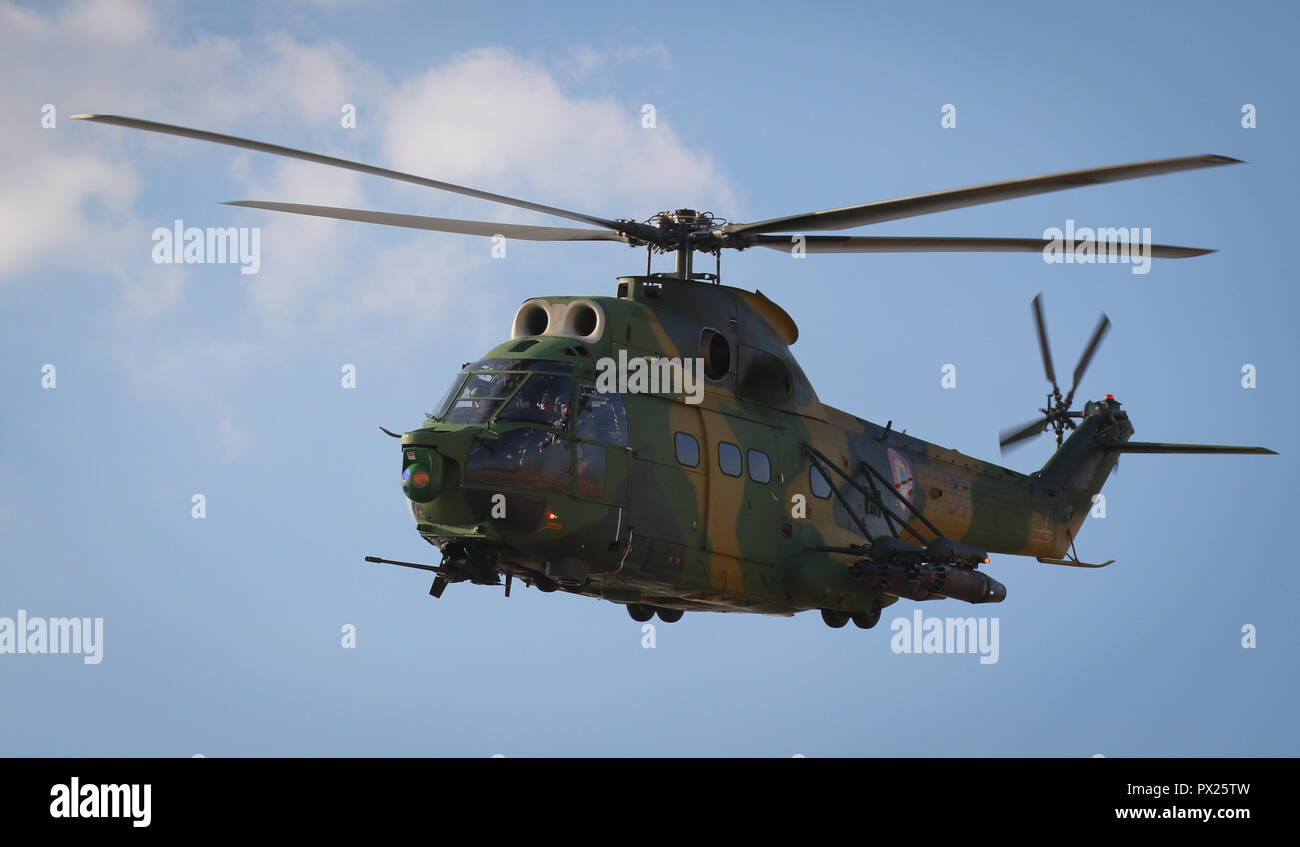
(551, 412)
(544, 406)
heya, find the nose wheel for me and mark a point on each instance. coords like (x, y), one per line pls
(640, 612)
(836, 619)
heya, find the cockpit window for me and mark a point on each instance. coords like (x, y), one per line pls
(483, 386)
(481, 395)
(543, 399)
(441, 409)
(522, 458)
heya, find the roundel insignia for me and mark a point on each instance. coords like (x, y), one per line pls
(901, 472)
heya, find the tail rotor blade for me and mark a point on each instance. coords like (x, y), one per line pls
(1103, 326)
(1010, 437)
(1043, 346)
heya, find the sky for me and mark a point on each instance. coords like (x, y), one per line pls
(225, 635)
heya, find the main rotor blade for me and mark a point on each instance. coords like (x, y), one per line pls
(263, 147)
(1160, 447)
(942, 201)
(1043, 347)
(1008, 437)
(1097, 334)
(888, 244)
(519, 231)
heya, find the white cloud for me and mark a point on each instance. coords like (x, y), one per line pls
(494, 120)
(314, 81)
(148, 295)
(584, 60)
(119, 24)
(232, 439)
(486, 117)
(42, 203)
(301, 256)
(87, 197)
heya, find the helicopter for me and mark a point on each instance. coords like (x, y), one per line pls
(744, 493)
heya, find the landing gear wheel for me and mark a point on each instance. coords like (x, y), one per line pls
(669, 615)
(545, 584)
(835, 619)
(639, 612)
(868, 619)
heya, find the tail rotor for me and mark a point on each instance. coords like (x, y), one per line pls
(1057, 414)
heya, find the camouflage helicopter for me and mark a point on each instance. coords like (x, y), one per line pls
(757, 498)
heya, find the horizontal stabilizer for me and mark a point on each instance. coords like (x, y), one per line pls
(1161, 447)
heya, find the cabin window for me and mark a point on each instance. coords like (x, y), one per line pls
(601, 417)
(729, 458)
(544, 399)
(819, 481)
(688, 450)
(760, 467)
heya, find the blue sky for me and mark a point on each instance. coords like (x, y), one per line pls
(222, 635)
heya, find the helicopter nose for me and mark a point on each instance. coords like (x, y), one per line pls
(422, 473)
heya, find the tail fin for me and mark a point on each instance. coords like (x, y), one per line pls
(1078, 470)
(1086, 459)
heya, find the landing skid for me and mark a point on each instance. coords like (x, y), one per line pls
(1074, 563)
(1073, 560)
